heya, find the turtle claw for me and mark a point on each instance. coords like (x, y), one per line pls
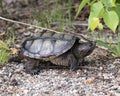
(34, 72)
(85, 62)
(32, 67)
(73, 67)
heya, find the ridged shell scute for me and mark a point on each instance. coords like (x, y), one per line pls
(47, 45)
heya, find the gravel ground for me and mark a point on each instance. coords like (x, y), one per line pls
(101, 77)
(95, 79)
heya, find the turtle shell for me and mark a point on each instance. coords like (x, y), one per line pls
(47, 45)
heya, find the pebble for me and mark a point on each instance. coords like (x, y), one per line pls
(27, 33)
(55, 82)
(118, 90)
(18, 46)
(38, 30)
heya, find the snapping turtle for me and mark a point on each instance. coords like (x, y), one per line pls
(60, 49)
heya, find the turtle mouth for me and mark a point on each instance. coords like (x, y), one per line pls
(91, 47)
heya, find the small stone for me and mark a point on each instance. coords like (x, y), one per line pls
(14, 82)
(30, 27)
(117, 61)
(17, 45)
(118, 90)
(27, 33)
(111, 67)
(117, 94)
(38, 30)
(46, 92)
(1, 81)
(101, 68)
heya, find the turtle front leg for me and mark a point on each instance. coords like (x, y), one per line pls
(72, 61)
(32, 66)
(84, 62)
(73, 64)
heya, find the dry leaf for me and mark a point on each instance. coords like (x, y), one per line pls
(3, 33)
(3, 45)
(14, 51)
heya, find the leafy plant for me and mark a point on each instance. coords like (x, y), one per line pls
(5, 50)
(108, 10)
(1, 4)
(113, 47)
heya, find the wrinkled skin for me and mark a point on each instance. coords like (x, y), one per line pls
(71, 58)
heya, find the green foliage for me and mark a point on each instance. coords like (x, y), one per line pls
(5, 51)
(109, 21)
(108, 3)
(108, 10)
(95, 23)
(1, 4)
(58, 15)
(117, 10)
(83, 3)
(117, 1)
(113, 47)
(97, 10)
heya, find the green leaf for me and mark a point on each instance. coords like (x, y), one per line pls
(94, 23)
(108, 3)
(111, 19)
(113, 48)
(117, 47)
(117, 1)
(117, 10)
(83, 3)
(97, 10)
(113, 3)
(102, 43)
(100, 26)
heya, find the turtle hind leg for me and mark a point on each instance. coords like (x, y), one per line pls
(66, 59)
(32, 66)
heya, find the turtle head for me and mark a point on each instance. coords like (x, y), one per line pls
(84, 49)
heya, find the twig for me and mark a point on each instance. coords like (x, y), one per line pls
(27, 24)
(69, 32)
(77, 35)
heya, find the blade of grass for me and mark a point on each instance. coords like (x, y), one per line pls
(3, 45)
(83, 3)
